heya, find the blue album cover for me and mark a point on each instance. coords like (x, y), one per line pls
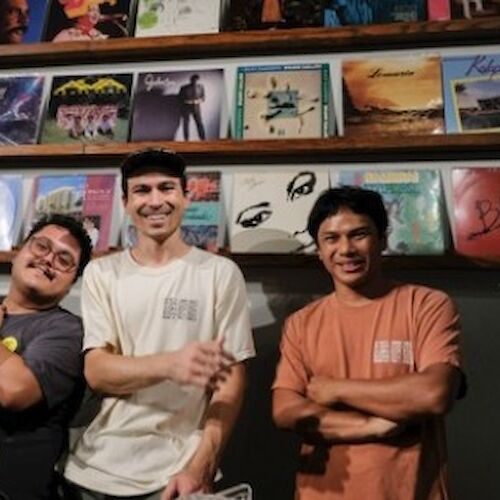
(20, 106)
(11, 188)
(471, 87)
(22, 21)
(347, 12)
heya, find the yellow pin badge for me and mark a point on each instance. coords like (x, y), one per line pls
(10, 343)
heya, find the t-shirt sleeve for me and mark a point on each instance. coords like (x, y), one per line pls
(291, 371)
(232, 314)
(99, 329)
(439, 333)
(55, 358)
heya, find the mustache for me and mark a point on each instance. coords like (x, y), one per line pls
(47, 271)
(22, 27)
(166, 210)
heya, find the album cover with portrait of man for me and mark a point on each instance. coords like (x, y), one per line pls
(269, 210)
(22, 21)
(20, 108)
(88, 109)
(283, 102)
(85, 20)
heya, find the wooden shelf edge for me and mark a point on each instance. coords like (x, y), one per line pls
(334, 149)
(391, 262)
(234, 44)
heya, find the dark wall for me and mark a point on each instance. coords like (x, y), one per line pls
(261, 455)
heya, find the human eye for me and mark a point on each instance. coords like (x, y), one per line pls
(65, 261)
(42, 245)
(301, 185)
(254, 215)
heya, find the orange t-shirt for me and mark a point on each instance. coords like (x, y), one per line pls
(405, 331)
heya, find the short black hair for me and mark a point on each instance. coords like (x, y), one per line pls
(153, 160)
(75, 228)
(356, 199)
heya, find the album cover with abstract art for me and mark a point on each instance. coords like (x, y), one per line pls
(472, 93)
(179, 105)
(11, 191)
(71, 20)
(393, 95)
(476, 211)
(414, 203)
(88, 198)
(88, 109)
(283, 102)
(20, 109)
(177, 17)
(270, 209)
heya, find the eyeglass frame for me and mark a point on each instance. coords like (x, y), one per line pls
(50, 250)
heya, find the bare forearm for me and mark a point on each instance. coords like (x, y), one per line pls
(397, 398)
(295, 412)
(221, 415)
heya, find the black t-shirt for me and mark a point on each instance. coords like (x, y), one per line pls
(31, 441)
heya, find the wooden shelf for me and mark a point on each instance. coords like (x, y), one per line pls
(335, 149)
(236, 44)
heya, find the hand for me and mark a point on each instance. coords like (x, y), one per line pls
(383, 428)
(203, 364)
(183, 483)
(322, 390)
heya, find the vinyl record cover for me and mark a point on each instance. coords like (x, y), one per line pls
(414, 203)
(179, 105)
(11, 190)
(272, 14)
(348, 12)
(88, 108)
(476, 212)
(88, 198)
(20, 108)
(469, 9)
(270, 209)
(393, 95)
(472, 93)
(22, 21)
(70, 20)
(202, 223)
(177, 17)
(283, 102)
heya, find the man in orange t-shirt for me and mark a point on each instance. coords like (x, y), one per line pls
(367, 372)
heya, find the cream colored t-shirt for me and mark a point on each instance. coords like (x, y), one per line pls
(137, 442)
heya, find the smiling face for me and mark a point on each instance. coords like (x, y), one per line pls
(351, 249)
(38, 279)
(156, 203)
(14, 18)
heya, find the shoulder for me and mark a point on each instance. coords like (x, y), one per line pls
(420, 294)
(312, 310)
(207, 260)
(106, 264)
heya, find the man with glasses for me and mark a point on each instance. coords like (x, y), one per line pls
(40, 357)
(167, 331)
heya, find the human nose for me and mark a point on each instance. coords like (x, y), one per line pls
(345, 245)
(155, 198)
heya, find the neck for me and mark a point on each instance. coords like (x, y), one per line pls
(156, 253)
(17, 303)
(376, 287)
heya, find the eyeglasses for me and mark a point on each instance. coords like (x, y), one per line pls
(63, 261)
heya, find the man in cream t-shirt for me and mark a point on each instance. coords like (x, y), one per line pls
(166, 333)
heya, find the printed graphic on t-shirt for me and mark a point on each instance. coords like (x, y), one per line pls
(393, 351)
(183, 309)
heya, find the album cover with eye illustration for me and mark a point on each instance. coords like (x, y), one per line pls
(471, 87)
(88, 109)
(85, 20)
(476, 211)
(177, 17)
(393, 96)
(415, 206)
(88, 198)
(20, 109)
(11, 206)
(269, 210)
(470, 9)
(283, 102)
(179, 106)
